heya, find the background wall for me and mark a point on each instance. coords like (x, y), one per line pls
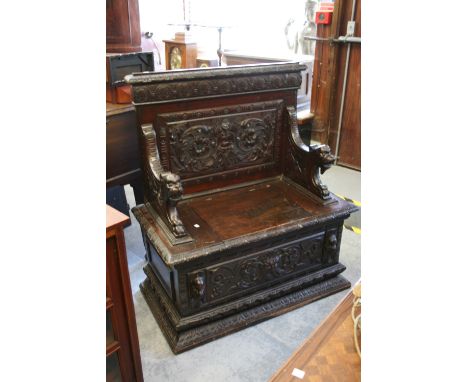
(257, 25)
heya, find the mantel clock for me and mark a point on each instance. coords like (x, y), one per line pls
(180, 54)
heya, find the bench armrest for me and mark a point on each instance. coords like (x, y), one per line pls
(304, 164)
(164, 187)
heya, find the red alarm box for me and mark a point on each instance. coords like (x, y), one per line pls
(323, 17)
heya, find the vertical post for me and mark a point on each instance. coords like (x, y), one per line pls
(325, 76)
(220, 50)
(343, 92)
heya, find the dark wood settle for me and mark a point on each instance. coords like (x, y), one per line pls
(238, 226)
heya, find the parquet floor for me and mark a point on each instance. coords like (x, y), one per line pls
(328, 355)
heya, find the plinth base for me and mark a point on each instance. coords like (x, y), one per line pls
(184, 333)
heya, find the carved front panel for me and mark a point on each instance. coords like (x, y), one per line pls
(266, 267)
(220, 139)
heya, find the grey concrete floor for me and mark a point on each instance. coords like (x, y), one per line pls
(345, 182)
(255, 353)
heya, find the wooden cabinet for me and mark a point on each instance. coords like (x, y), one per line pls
(122, 349)
(122, 152)
(122, 26)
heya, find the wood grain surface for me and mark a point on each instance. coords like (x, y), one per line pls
(327, 87)
(122, 26)
(328, 355)
(123, 361)
(350, 136)
(237, 225)
(115, 218)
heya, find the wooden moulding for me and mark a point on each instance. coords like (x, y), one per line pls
(178, 85)
(148, 223)
(247, 314)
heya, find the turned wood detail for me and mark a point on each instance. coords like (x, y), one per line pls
(307, 162)
(164, 187)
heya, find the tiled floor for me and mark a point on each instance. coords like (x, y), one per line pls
(252, 354)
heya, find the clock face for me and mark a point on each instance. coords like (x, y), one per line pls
(176, 58)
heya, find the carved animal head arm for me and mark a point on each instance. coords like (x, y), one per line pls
(322, 156)
(164, 188)
(172, 184)
(308, 162)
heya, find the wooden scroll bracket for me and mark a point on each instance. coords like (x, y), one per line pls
(165, 188)
(308, 162)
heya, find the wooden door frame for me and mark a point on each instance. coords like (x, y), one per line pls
(328, 77)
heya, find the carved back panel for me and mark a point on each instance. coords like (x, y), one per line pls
(219, 126)
(207, 143)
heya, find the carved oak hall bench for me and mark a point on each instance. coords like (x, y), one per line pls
(238, 227)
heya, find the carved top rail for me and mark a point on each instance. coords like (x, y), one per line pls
(179, 85)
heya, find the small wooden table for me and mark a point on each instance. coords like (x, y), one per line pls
(329, 353)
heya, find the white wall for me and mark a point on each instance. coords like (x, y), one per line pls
(257, 25)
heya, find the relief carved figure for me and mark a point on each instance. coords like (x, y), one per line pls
(198, 287)
(170, 193)
(308, 162)
(331, 250)
(165, 187)
(321, 155)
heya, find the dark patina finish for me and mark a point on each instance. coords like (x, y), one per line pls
(238, 226)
